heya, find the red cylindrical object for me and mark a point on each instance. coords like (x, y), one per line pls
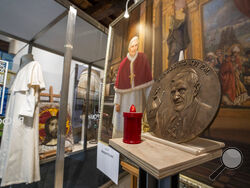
(132, 127)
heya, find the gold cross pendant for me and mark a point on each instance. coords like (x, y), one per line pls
(132, 76)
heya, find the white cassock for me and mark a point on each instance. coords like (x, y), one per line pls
(126, 100)
(19, 157)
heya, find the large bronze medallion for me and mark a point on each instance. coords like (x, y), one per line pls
(183, 101)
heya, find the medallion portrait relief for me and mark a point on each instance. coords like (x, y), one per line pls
(184, 101)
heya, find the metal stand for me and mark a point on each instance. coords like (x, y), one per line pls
(148, 181)
(86, 120)
(59, 171)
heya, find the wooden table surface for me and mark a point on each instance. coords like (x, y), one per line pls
(162, 160)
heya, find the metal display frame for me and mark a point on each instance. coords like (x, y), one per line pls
(72, 13)
(80, 13)
(64, 98)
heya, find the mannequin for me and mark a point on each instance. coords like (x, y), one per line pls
(19, 157)
(25, 59)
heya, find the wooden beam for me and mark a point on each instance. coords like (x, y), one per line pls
(51, 95)
(106, 21)
(85, 16)
(106, 8)
(133, 171)
(100, 5)
(129, 168)
(83, 4)
(104, 12)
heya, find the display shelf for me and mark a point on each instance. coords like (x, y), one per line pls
(77, 148)
(162, 160)
(196, 146)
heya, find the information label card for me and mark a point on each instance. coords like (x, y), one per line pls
(108, 161)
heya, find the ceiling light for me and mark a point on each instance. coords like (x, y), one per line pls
(126, 14)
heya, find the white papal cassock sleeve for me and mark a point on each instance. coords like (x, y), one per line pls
(35, 79)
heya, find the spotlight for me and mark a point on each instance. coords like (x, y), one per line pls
(126, 14)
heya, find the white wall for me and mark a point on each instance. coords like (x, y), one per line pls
(52, 67)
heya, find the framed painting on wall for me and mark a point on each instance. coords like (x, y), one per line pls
(220, 36)
(48, 124)
(226, 47)
(128, 68)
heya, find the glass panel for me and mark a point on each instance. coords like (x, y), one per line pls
(39, 128)
(80, 102)
(21, 123)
